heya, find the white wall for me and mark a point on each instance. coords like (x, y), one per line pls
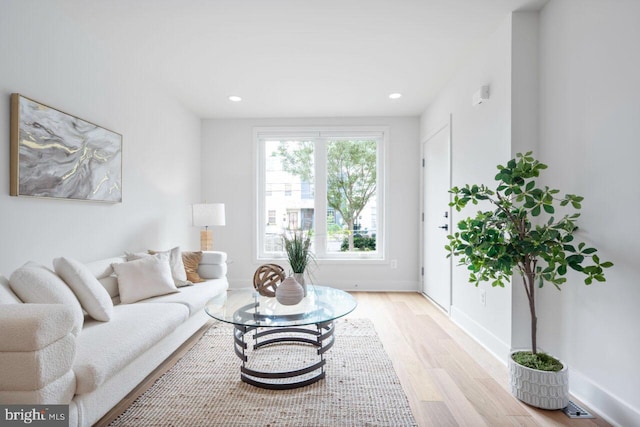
(589, 137)
(481, 137)
(524, 137)
(48, 57)
(228, 171)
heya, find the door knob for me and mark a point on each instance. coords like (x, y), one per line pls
(444, 227)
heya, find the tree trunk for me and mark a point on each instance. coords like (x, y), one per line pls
(350, 235)
(532, 310)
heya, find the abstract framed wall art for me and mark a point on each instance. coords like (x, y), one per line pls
(55, 154)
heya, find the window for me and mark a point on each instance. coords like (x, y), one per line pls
(339, 172)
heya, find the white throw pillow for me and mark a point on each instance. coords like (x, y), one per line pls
(7, 296)
(36, 284)
(93, 297)
(177, 266)
(144, 278)
(132, 256)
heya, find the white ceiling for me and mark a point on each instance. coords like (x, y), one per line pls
(296, 58)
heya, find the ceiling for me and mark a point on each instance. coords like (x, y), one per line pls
(295, 58)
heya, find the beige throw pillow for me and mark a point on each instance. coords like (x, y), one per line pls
(144, 278)
(191, 262)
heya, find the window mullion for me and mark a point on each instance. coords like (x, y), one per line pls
(320, 162)
(260, 205)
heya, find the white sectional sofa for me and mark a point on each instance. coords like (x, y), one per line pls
(45, 358)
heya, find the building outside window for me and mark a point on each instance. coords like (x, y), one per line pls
(339, 172)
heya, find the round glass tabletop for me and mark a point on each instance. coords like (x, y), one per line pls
(247, 307)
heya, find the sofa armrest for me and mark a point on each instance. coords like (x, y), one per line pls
(37, 351)
(30, 327)
(213, 265)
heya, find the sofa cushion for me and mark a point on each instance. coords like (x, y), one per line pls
(6, 294)
(93, 297)
(177, 265)
(105, 348)
(191, 262)
(214, 257)
(34, 283)
(58, 392)
(194, 297)
(33, 370)
(144, 278)
(103, 271)
(212, 271)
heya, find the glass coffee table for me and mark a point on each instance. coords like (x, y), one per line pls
(310, 322)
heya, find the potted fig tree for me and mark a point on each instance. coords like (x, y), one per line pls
(520, 234)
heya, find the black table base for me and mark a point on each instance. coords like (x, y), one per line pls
(319, 335)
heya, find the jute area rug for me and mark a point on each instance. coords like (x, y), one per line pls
(361, 387)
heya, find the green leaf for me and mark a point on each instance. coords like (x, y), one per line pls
(492, 245)
(575, 259)
(529, 202)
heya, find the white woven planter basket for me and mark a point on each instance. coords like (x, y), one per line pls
(546, 390)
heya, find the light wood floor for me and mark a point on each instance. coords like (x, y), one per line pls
(449, 379)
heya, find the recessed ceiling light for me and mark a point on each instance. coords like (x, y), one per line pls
(395, 95)
(235, 98)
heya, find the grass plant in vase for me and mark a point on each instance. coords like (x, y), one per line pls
(297, 246)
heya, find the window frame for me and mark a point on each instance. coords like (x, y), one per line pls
(320, 135)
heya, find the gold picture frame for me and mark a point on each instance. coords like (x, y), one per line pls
(58, 155)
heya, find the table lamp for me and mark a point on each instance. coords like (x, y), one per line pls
(207, 215)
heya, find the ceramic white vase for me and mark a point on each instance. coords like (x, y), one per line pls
(300, 279)
(289, 292)
(542, 389)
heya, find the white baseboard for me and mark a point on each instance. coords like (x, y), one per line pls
(498, 348)
(613, 409)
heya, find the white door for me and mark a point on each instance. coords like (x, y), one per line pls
(436, 281)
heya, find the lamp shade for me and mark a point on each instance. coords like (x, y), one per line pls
(208, 214)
